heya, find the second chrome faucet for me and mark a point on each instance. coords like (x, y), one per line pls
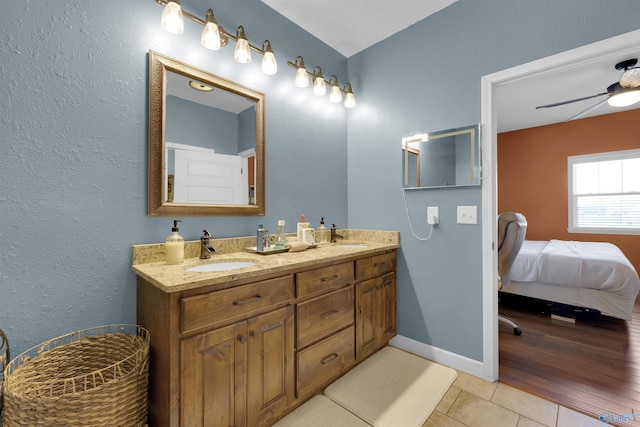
(205, 245)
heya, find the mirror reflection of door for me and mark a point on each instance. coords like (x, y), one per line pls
(213, 134)
(411, 167)
(207, 177)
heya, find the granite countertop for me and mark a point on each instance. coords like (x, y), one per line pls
(148, 260)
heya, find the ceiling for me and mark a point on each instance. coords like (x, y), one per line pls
(350, 26)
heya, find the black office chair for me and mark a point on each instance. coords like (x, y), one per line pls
(512, 229)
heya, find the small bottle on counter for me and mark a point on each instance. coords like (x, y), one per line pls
(280, 239)
(260, 238)
(322, 233)
(302, 224)
(174, 245)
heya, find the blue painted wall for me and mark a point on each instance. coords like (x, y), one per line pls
(73, 150)
(190, 123)
(427, 78)
(73, 135)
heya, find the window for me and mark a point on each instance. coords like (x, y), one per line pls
(604, 193)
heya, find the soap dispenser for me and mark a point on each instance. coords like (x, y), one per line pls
(322, 233)
(174, 245)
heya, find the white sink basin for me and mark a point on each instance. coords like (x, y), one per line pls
(352, 246)
(221, 266)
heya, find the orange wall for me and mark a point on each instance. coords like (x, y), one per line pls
(532, 173)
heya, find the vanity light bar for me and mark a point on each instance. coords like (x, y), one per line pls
(319, 83)
(174, 14)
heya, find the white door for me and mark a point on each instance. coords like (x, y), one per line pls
(207, 177)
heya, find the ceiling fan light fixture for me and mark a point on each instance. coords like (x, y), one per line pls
(624, 98)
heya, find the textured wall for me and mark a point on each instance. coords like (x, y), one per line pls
(73, 138)
(538, 187)
(427, 78)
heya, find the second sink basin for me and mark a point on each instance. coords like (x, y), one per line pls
(221, 266)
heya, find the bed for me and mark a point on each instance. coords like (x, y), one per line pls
(591, 275)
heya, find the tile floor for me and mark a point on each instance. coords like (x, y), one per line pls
(472, 402)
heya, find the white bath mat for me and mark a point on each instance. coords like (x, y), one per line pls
(320, 412)
(392, 388)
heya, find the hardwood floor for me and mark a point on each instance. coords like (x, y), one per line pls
(591, 366)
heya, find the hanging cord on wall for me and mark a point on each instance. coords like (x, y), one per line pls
(406, 209)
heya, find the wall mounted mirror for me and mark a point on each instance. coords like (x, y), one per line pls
(206, 143)
(448, 158)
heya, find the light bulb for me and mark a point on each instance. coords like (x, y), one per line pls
(269, 64)
(319, 87)
(624, 99)
(211, 33)
(172, 19)
(349, 100)
(302, 79)
(335, 95)
(242, 54)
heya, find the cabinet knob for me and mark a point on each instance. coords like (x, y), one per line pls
(254, 335)
(242, 339)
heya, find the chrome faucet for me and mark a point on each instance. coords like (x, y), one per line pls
(334, 235)
(205, 246)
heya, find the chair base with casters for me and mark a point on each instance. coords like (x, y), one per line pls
(516, 329)
(512, 228)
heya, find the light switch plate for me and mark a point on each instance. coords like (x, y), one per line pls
(467, 214)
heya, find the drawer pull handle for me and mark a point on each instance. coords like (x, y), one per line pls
(248, 300)
(329, 358)
(326, 279)
(242, 339)
(272, 327)
(379, 264)
(329, 314)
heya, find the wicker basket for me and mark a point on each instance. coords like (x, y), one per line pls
(5, 356)
(93, 377)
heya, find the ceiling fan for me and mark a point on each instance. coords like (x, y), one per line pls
(622, 93)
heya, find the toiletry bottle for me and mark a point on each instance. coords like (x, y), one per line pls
(281, 239)
(260, 237)
(174, 245)
(322, 233)
(309, 236)
(302, 224)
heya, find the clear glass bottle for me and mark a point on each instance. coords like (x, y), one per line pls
(174, 245)
(281, 238)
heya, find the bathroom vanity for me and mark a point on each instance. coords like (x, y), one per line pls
(244, 347)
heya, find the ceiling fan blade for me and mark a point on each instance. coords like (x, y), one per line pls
(587, 111)
(573, 100)
(630, 78)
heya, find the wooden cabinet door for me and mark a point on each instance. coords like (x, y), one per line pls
(213, 383)
(271, 366)
(375, 314)
(366, 328)
(387, 307)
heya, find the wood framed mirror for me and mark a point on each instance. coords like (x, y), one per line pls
(206, 143)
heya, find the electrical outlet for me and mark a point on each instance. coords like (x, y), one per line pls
(432, 215)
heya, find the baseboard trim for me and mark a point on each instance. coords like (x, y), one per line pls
(438, 355)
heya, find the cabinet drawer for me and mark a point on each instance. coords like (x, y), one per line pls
(324, 361)
(228, 305)
(322, 316)
(376, 265)
(322, 280)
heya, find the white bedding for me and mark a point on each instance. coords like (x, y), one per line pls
(585, 265)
